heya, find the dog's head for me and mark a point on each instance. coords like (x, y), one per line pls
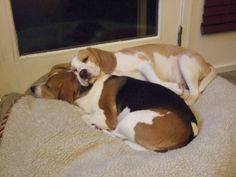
(90, 63)
(62, 84)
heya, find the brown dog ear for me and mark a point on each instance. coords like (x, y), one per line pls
(66, 94)
(69, 88)
(82, 54)
(59, 68)
(106, 60)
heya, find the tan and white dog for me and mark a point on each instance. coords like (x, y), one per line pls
(181, 70)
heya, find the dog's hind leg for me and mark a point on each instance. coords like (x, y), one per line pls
(190, 71)
(206, 80)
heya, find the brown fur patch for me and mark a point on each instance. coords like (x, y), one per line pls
(165, 133)
(107, 100)
(59, 68)
(82, 54)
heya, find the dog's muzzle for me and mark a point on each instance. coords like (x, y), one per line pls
(84, 74)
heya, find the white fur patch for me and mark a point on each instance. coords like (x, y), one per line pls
(123, 113)
(127, 66)
(125, 127)
(195, 129)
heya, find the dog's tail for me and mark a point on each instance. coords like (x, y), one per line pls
(206, 80)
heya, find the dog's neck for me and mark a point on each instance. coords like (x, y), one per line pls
(85, 89)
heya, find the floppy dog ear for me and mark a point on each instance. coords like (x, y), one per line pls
(59, 68)
(106, 60)
(66, 93)
(69, 88)
(82, 54)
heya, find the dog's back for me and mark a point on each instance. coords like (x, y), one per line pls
(175, 124)
(144, 114)
(139, 95)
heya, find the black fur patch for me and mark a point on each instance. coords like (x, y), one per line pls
(140, 95)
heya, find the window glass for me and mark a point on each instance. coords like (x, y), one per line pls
(45, 25)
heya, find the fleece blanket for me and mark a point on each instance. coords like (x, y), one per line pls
(48, 138)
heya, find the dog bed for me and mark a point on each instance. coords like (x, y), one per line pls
(48, 138)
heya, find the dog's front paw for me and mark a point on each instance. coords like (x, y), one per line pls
(86, 119)
(96, 120)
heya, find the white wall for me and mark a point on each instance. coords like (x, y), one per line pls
(219, 49)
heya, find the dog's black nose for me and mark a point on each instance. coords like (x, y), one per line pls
(32, 89)
(84, 74)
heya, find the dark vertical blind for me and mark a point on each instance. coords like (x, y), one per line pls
(218, 16)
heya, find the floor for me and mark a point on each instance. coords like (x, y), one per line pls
(231, 76)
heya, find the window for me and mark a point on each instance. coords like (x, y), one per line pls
(24, 50)
(46, 25)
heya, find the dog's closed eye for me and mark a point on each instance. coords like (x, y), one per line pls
(85, 60)
(48, 86)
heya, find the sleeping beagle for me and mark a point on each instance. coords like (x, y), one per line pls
(61, 84)
(143, 114)
(181, 70)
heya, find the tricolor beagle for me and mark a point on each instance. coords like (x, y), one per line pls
(182, 70)
(144, 114)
